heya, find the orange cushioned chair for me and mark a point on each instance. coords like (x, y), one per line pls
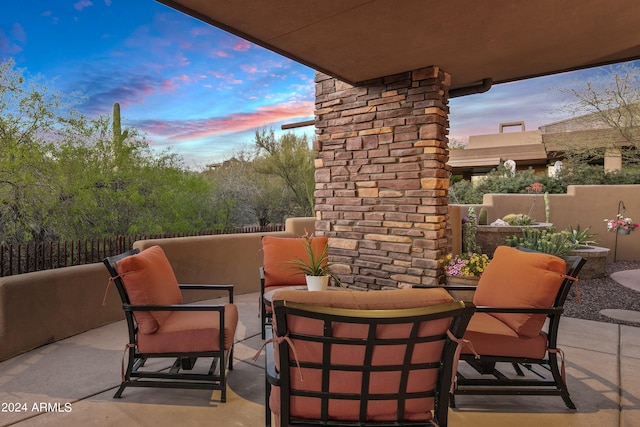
(276, 272)
(363, 358)
(161, 326)
(517, 294)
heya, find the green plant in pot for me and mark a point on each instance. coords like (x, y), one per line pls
(547, 241)
(315, 266)
(517, 219)
(579, 236)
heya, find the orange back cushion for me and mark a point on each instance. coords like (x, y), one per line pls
(278, 251)
(516, 278)
(149, 280)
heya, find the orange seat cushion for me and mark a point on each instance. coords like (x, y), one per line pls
(341, 382)
(278, 251)
(492, 337)
(191, 331)
(517, 278)
(149, 280)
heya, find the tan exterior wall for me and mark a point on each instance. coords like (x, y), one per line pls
(506, 139)
(584, 205)
(47, 306)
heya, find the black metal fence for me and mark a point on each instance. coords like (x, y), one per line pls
(36, 256)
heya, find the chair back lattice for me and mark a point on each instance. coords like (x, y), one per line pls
(366, 366)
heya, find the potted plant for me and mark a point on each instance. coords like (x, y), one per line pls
(580, 237)
(517, 219)
(621, 225)
(596, 256)
(315, 266)
(464, 270)
(469, 265)
(547, 241)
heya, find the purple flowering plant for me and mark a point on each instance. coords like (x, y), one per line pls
(470, 264)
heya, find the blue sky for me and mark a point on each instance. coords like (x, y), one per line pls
(199, 90)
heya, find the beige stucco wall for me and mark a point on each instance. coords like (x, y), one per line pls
(584, 205)
(46, 306)
(506, 139)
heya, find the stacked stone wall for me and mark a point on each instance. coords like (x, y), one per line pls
(381, 177)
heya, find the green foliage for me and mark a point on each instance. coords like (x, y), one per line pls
(576, 171)
(314, 264)
(499, 181)
(469, 231)
(483, 216)
(579, 172)
(517, 219)
(464, 192)
(547, 241)
(579, 236)
(289, 158)
(66, 177)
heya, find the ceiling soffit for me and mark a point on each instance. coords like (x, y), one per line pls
(498, 40)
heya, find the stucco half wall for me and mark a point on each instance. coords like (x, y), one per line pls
(584, 205)
(222, 258)
(47, 306)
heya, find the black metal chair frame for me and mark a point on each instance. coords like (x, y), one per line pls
(459, 312)
(265, 316)
(547, 379)
(214, 379)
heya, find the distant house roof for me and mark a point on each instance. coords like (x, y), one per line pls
(527, 148)
(469, 159)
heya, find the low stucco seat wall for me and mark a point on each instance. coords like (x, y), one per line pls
(46, 306)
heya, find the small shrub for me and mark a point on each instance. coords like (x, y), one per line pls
(547, 241)
(579, 236)
(517, 219)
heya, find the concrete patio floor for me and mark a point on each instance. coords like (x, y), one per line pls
(76, 379)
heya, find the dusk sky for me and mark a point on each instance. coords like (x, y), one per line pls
(201, 91)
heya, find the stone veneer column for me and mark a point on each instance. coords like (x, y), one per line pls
(381, 177)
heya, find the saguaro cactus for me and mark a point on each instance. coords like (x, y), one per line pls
(118, 135)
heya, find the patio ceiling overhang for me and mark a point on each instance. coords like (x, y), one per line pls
(475, 42)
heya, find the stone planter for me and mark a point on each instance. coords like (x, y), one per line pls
(461, 281)
(489, 237)
(596, 257)
(623, 231)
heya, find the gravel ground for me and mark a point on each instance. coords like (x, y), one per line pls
(604, 293)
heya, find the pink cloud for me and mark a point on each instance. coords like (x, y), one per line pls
(171, 84)
(242, 46)
(200, 31)
(7, 45)
(82, 4)
(229, 78)
(221, 54)
(250, 69)
(183, 131)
